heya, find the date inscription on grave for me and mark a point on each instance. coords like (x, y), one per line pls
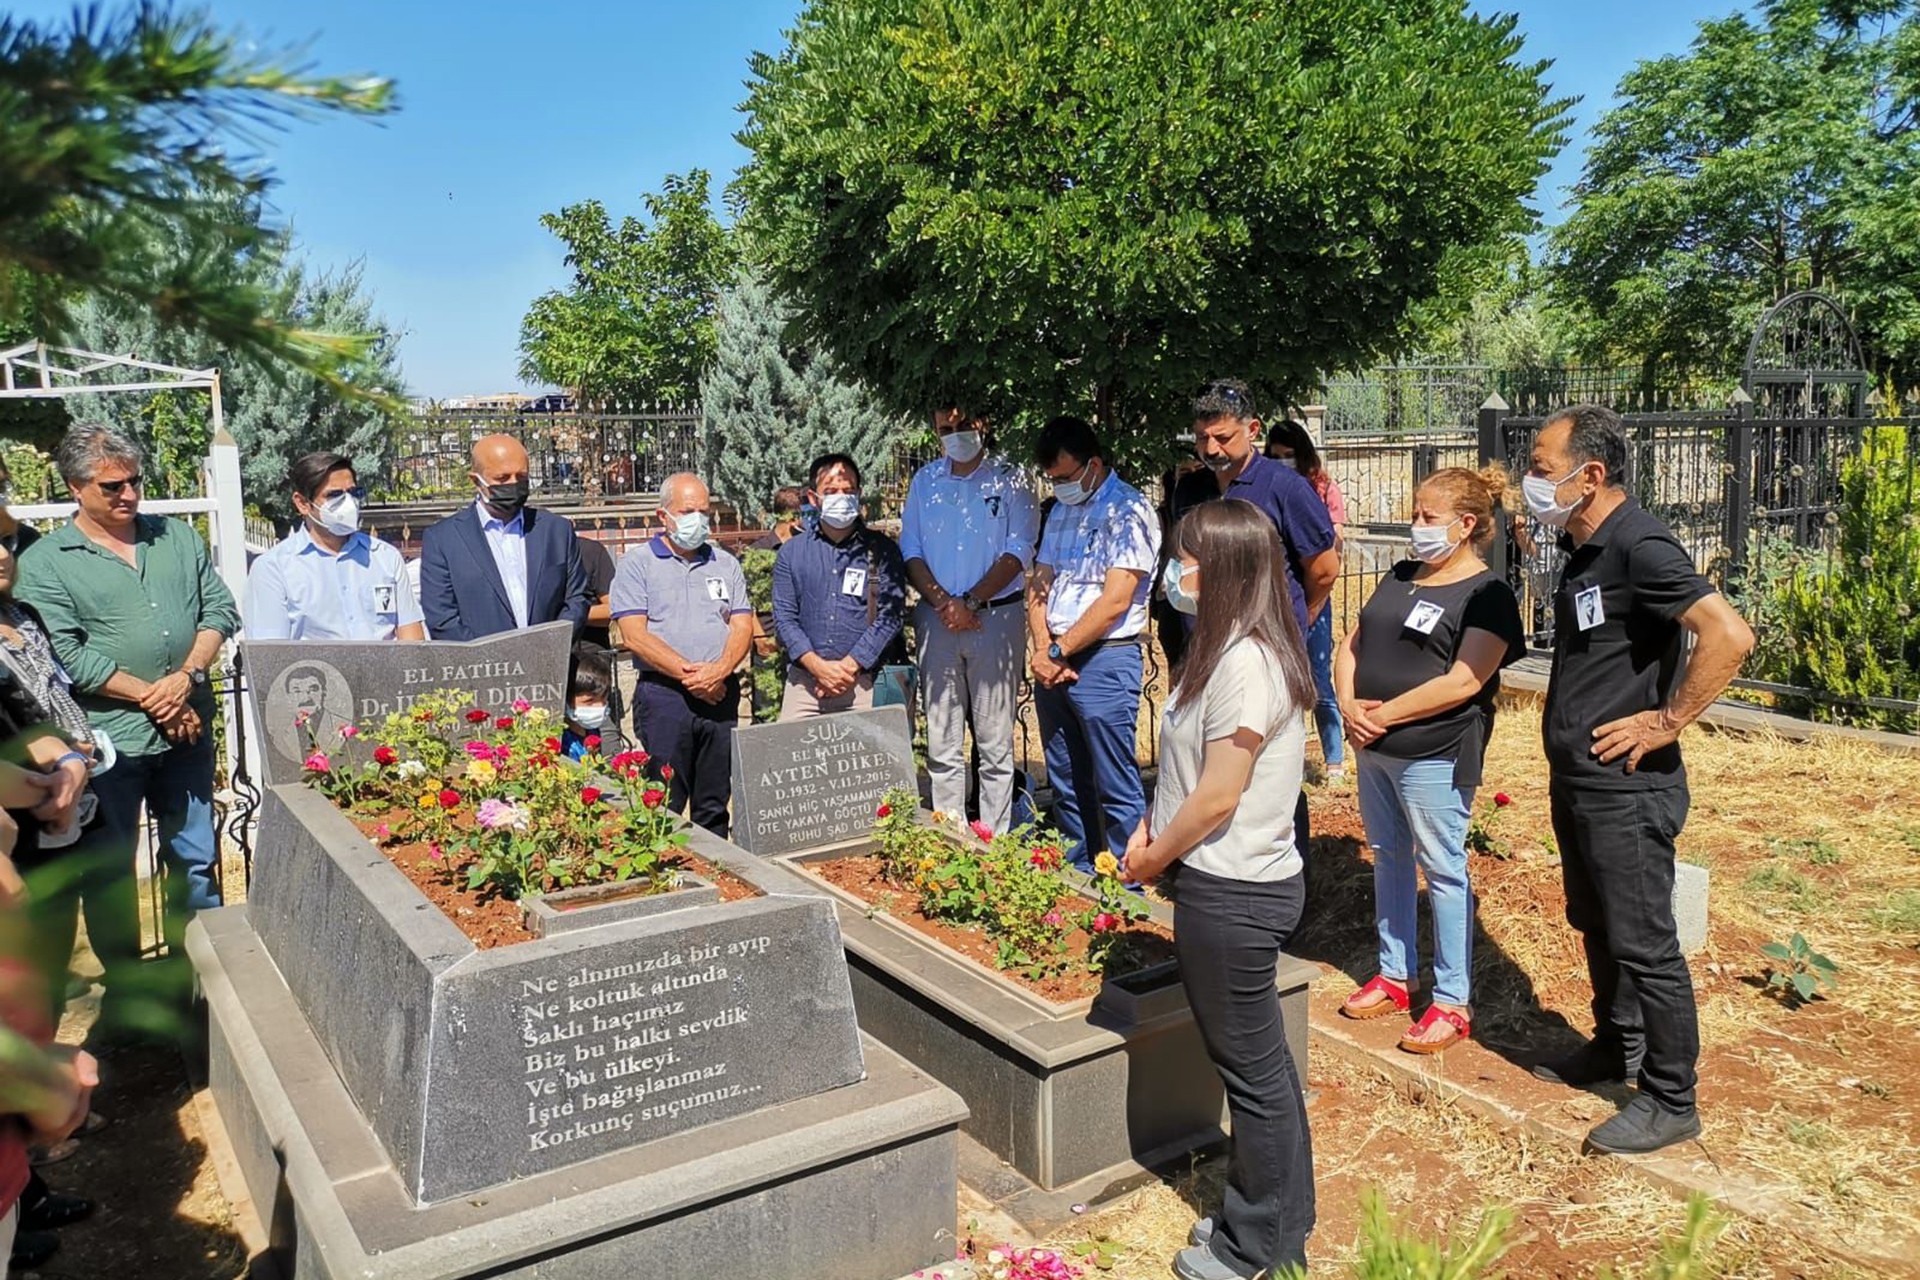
(816, 782)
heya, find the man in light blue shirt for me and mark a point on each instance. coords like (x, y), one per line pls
(1087, 610)
(968, 535)
(330, 579)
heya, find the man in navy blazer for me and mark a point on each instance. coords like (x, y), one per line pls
(500, 565)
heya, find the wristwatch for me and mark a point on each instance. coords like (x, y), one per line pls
(974, 603)
(1056, 653)
(196, 676)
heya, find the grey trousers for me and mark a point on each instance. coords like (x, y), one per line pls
(800, 702)
(969, 679)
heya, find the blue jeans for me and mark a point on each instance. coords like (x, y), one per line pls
(1088, 727)
(1415, 815)
(177, 788)
(1326, 706)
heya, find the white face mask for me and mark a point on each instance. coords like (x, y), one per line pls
(838, 510)
(339, 517)
(1431, 543)
(590, 715)
(962, 446)
(1182, 599)
(690, 530)
(1543, 499)
(1290, 462)
(1074, 492)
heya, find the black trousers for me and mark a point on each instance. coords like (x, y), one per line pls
(1228, 935)
(696, 739)
(1616, 857)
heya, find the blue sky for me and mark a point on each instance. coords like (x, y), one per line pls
(512, 110)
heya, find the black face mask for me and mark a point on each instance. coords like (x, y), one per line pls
(506, 500)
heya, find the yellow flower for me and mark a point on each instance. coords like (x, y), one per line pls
(482, 771)
(939, 818)
(429, 799)
(1106, 864)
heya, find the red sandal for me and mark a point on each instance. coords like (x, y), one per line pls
(1398, 1000)
(1461, 1027)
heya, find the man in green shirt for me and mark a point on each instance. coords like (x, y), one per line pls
(137, 616)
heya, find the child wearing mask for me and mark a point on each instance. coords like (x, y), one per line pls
(588, 695)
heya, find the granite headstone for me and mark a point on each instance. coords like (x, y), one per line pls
(815, 782)
(302, 691)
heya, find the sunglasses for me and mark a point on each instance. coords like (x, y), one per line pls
(357, 493)
(114, 488)
(1232, 395)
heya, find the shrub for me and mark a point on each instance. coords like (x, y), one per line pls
(1798, 972)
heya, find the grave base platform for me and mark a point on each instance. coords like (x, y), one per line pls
(857, 1183)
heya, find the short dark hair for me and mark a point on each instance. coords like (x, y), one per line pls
(1069, 435)
(827, 462)
(592, 673)
(1224, 398)
(788, 499)
(1596, 434)
(309, 472)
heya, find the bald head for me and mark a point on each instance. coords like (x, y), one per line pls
(499, 459)
(500, 474)
(681, 492)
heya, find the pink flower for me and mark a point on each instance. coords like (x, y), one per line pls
(1052, 918)
(521, 706)
(300, 719)
(435, 851)
(349, 731)
(981, 829)
(382, 831)
(1106, 922)
(478, 750)
(496, 814)
(385, 755)
(318, 762)
(503, 753)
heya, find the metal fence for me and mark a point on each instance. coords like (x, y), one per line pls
(1397, 401)
(588, 453)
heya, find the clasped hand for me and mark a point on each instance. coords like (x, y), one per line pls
(1363, 729)
(166, 696)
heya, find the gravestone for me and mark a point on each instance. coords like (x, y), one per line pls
(302, 691)
(809, 783)
(1690, 906)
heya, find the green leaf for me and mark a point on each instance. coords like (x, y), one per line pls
(1776, 951)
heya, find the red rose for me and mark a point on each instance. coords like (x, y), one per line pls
(475, 716)
(653, 798)
(553, 745)
(632, 773)
(385, 755)
(641, 758)
(449, 798)
(1105, 922)
(884, 811)
(504, 722)
(1502, 799)
(667, 773)
(593, 742)
(589, 795)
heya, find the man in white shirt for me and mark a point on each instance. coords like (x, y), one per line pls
(330, 579)
(968, 536)
(1087, 612)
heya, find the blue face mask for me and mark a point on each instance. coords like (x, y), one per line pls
(690, 530)
(1178, 595)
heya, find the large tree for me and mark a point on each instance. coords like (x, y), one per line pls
(1038, 205)
(636, 323)
(114, 129)
(772, 404)
(1780, 152)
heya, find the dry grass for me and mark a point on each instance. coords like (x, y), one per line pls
(1438, 1166)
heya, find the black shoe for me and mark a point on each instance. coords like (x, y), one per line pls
(1595, 1062)
(1644, 1126)
(54, 1210)
(31, 1249)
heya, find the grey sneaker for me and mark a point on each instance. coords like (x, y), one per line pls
(1199, 1263)
(1644, 1126)
(1202, 1231)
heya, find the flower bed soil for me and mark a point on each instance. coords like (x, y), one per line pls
(486, 917)
(860, 875)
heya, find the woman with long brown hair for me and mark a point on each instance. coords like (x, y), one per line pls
(1231, 748)
(1417, 680)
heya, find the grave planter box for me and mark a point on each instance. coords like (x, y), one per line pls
(1079, 1095)
(480, 1067)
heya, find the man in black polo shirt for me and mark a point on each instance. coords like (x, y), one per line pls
(1615, 708)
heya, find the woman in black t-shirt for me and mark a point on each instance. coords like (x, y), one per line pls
(1417, 678)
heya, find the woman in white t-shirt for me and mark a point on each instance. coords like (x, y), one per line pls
(1232, 742)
